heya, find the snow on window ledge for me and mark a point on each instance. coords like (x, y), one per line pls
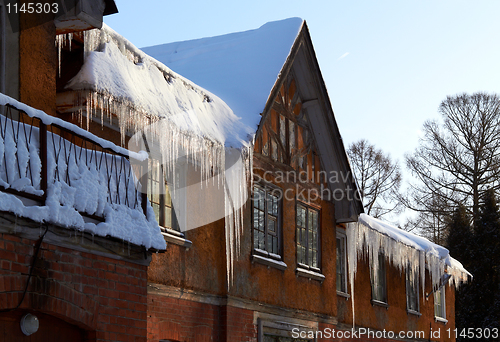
(413, 312)
(175, 237)
(440, 319)
(379, 303)
(343, 294)
(269, 262)
(309, 274)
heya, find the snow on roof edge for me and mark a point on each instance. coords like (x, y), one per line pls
(288, 57)
(242, 68)
(411, 240)
(173, 99)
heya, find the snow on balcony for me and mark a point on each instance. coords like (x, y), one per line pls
(71, 178)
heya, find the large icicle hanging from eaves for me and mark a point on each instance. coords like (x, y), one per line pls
(405, 251)
(186, 122)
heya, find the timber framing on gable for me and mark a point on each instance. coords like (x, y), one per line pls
(299, 103)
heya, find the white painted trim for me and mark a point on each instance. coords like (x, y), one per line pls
(269, 262)
(309, 274)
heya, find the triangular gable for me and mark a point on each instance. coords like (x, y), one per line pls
(248, 69)
(302, 66)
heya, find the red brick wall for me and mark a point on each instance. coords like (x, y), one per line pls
(188, 321)
(106, 297)
(238, 325)
(182, 320)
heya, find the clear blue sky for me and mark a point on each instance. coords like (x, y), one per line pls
(387, 64)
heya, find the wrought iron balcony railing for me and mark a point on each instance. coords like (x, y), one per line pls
(36, 158)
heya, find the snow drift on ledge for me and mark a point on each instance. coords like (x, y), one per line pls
(88, 190)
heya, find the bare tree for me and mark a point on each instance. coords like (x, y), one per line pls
(378, 178)
(458, 159)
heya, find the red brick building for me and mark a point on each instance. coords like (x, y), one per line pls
(80, 286)
(293, 274)
(82, 218)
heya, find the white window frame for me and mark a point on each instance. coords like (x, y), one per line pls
(440, 316)
(341, 235)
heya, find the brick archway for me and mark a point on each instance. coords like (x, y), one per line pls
(51, 297)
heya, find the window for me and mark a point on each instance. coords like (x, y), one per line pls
(276, 328)
(308, 252)
(341, 263)
(379, 287)
(159, 196)
(440, 304)
(412, 303)
(266, 221)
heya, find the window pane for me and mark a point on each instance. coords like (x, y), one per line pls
(275, 245)
(341, 261)
(261, 221)
(256, 218)
(380, 282)
(262, 241)
(168, 199)
(168, 217)
(272, 225)
(269, 203)
(314, 215)
(156, 209)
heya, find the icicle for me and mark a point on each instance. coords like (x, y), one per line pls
(352, 233)
(207, 155)
(59, 44)
(362, 239)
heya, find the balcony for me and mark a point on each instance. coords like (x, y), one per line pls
(55, 172)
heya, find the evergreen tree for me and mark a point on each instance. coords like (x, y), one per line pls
(487, 258)
(458, 242)
(477, 304)
(460, 236)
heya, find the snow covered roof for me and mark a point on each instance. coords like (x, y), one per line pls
(241, 68)
(116, 68)
(412, 240)
(406, 251)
